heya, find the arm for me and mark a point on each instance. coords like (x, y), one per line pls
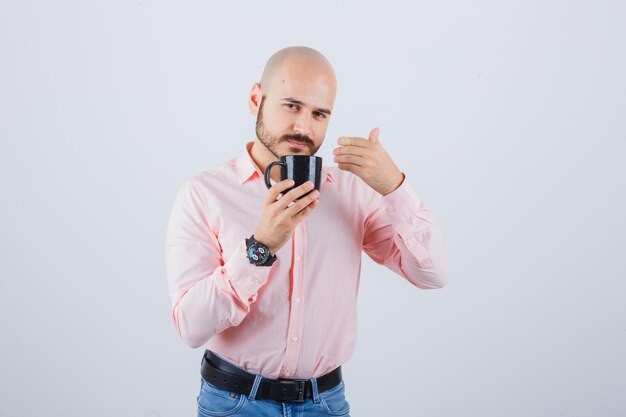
(401, 234)
(208, 294)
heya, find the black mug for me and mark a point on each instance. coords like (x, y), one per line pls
(299, 168)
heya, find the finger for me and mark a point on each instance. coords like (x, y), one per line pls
(276, 189)
(350, 150)
(302, 203)
(306, 210)
(355, 169)
(351, 159)
(374, 135)
(295, 193)
(353, 141)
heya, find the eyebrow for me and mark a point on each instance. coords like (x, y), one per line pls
(296, 101)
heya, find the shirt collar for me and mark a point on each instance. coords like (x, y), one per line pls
(247, 168)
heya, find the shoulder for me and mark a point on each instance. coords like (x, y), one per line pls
(209, 184)
(211, 177)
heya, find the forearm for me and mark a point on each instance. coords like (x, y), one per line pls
(403, 235)
(206, 304)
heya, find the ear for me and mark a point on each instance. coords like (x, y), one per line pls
(254, 99)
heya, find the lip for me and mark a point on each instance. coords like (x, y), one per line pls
(297, 144)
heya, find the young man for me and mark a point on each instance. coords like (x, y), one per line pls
(267, 283)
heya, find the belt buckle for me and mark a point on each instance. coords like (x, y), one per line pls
(301, 391)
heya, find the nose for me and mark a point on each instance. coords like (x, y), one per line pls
(303, 124)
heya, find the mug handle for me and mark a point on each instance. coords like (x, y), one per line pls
(268, 168)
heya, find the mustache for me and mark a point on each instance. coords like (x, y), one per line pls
(299, 138)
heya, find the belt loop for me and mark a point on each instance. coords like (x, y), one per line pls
(255, 387)
(316, 395)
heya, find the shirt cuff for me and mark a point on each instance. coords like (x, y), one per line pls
(403, 198)
(246, 277)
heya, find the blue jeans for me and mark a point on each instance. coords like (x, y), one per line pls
(217, 402)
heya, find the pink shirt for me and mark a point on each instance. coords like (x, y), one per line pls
(297, 318)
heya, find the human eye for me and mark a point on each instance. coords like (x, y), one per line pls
(292, 105)
(320, 114)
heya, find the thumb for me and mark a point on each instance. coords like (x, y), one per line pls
(374, 135)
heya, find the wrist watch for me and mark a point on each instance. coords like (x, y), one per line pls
(258, 253)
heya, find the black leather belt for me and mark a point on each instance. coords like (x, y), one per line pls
(227, 376)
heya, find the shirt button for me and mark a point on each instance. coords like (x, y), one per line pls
(298, 259)
(390, 209)
(258, 281)
(295, 338)
(297, 300)
(411, 241)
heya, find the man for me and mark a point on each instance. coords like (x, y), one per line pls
(276, 332)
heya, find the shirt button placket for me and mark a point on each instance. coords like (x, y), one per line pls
(295, 313)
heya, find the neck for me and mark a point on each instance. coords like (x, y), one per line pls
(262, 157)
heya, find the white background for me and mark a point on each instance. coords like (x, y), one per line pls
(508, 117)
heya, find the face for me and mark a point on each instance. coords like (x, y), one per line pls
(294, 113)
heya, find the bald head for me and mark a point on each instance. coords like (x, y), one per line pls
(295, 60)
(292, 103)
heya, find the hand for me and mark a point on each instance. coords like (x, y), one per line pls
(280, 215)
(367, 159)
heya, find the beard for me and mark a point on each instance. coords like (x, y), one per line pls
(272, 142)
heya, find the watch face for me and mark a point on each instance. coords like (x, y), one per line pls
(257, 253)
